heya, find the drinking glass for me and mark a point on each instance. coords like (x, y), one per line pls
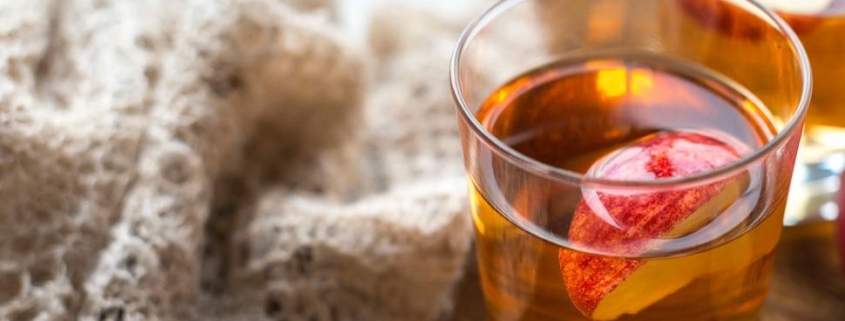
(820, 24)
(626, 159)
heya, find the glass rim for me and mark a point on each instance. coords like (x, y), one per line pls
(555, 173)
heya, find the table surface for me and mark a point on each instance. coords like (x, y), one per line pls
(808, 284)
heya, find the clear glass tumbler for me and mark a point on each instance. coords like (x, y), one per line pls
(628, 159)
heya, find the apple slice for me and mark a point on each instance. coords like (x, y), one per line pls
(803, 15)
(626, 224)
(725, 17)
(803, 7)
(730, 19)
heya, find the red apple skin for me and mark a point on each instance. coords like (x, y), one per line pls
(725, 18)
(733, 21)
(801, 24)
(589, 278)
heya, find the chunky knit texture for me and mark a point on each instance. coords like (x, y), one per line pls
(228, 160)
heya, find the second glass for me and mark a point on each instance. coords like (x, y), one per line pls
(624, 163)
(820, 24)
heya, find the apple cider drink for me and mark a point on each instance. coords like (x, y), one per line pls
(820, 24)
(628, 159)
(627, 117)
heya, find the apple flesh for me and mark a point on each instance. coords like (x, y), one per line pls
(803, 7)
(802, 16)
(625, 223)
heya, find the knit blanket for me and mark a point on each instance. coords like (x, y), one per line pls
(228, 160)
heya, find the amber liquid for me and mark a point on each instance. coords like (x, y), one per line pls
(823, 147)
(570, 114)
(823, 36)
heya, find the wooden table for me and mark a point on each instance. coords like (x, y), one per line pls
(808, 285)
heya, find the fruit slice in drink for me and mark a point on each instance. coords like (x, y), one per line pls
(626, 223)
(730, 19)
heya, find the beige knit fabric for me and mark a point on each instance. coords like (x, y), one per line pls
(213, 159)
